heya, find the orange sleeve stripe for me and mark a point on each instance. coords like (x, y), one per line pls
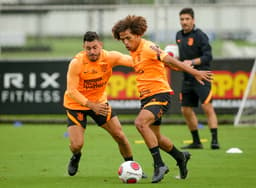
(109, 114)
(156, 103)
(209, 97)
(73, 119)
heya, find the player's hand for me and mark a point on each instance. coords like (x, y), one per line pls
(204, 76)
(99, 108)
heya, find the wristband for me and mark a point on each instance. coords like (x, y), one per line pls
(193, 62)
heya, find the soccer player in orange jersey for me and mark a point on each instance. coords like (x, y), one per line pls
(87, 78)
(154, 89)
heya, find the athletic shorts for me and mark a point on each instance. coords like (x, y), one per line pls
(157, 104)
(79, 117)
(192, 92)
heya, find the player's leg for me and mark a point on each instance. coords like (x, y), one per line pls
(111, 124)
(212, 124)
(189, 100)
(76, 130)
(192, 123)
(114, 128)
(143, 121)
(152, 110)
(205, 95)
(190, 117)
(76, 138)
(166, 145)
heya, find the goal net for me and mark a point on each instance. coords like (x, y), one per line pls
(246, 115)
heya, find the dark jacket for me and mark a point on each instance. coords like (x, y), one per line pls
(193, 45)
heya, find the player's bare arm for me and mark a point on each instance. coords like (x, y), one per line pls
(121, 59)
(171, 62)
(193, 62)
(200, 76)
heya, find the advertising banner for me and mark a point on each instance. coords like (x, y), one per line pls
(229, 83)
(37, 86)
(32, 87)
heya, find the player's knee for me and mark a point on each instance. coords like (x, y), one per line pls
(209, 111)
(76, 146)
(139, 125)
(186, 111)
(183, 111)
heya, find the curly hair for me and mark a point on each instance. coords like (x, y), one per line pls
(136, 24)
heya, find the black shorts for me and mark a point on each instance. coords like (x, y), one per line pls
(192, 92)
(79, 117)
(157, 104)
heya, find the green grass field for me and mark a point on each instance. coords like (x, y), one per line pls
(67, 47)
(37, 156)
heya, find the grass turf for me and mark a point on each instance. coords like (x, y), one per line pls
(67, 47)
(37, 156)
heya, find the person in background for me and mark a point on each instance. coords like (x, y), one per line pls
(195, 50)
(87, 77)
(152, 83)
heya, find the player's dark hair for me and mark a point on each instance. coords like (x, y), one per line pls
(189, 11)
(91, 36)
(136, 24)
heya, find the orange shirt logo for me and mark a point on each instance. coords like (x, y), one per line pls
(190, 41)
(80, 116)
(160, 113)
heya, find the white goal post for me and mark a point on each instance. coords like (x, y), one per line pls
(246, 115)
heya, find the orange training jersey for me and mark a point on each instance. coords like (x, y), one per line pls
(151, 72)
(94, 76)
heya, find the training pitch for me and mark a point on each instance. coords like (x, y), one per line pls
(37, 156)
